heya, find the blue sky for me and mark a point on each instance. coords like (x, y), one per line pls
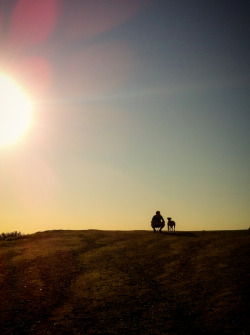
(144, 106)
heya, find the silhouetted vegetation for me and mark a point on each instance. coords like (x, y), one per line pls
(10, 236)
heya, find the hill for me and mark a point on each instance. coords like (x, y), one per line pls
(117, 282)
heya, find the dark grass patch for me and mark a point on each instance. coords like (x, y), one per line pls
(111, 282)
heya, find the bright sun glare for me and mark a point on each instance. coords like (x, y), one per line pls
(15, 112)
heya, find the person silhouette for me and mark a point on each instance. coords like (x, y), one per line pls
(157, 221)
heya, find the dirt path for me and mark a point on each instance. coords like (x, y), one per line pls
(97, 282)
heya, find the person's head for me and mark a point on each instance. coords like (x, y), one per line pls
(158, 213)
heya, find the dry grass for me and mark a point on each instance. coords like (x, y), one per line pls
(108, 282)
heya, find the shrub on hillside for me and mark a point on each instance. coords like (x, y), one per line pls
(10, 236)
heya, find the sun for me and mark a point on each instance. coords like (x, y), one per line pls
(15, 112)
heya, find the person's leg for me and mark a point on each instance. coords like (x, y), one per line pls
(162, 226)
(153, 226)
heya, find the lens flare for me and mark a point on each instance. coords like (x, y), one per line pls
(15, 112)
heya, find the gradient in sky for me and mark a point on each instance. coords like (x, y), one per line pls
(138, 106)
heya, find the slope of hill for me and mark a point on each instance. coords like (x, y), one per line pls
(115, 282)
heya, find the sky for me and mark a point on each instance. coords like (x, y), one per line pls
(137, 106)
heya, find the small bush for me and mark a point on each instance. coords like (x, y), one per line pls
(10, 236)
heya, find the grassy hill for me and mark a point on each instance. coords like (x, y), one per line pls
(136, 282)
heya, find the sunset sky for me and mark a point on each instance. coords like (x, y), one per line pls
(137, 106)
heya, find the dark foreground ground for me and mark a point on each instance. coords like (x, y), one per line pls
(137, 282)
